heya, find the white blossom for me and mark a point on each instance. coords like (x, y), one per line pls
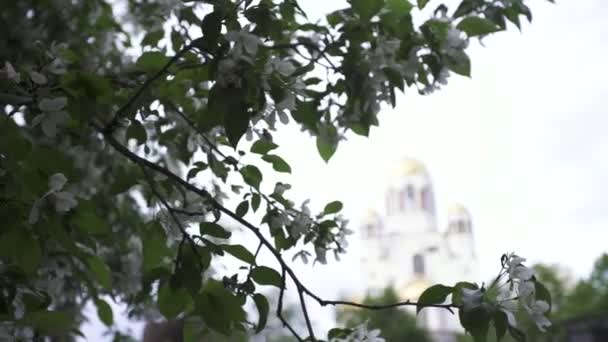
(57, 67)
(10, 72)
(37, 77)
(64, 201)
(525, 289)
(284, 67)
(454, 40)
(57, 182)
(361, 333)
(280, 188)
(300, 225)
(516, 270)
(507, 304)
(245, 43)
(194, 141)
(227, 73)
(537, 310)
(49, 122)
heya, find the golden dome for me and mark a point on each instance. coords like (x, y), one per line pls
(409, 167)
(457, 210)
(371, 216)
(413, 289)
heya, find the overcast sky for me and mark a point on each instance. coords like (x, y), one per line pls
(521, 144)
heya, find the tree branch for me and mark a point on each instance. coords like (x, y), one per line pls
(121, 111)
(301, 288)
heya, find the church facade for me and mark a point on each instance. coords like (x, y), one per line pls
(403, 247)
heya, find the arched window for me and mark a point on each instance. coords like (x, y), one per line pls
(401, 201)
(418, 264)
(410, 197)
(428, 202)
(463, 226)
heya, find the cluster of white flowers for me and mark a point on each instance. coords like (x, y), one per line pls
(57, 66)
(195, 140)
(518, 291)
(245, 48)
(52, 115)
(302, 221)
(11, 73)
(361, 333)
(63, 200)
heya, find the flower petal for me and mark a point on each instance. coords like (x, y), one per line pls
(57, 182)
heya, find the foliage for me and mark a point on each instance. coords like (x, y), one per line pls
(570, 300)
(121, 135)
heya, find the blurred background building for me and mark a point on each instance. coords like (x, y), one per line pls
(403, 247)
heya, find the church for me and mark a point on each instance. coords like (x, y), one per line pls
(403, 247)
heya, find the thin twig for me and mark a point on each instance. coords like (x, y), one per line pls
(121, 111)
(185, 235)
(280, 308)
(302, 289)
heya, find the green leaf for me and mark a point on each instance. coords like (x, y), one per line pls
(104, 311)
(517, 334)
(240, 253)
(332, 207)
(476, 322)
(242, 209)
(422, 3)
(278, 164)
(154, 246)
(262, 304)
(49, 322)
(211, 27)
(366, 9)
(251, 175)
(338, 333)
(152, 38)
(220, 308)
(435, 294)
(172, 302)
(52, 105)
(459, 63)
(476, 26)
(266, 276)
(255, 202)
(89, 222)
(214, 229)
(326, 147)
(228, 106)
(500, 324)
(542, 293)
(101, 271)
(23, 248)
(399, 7)
(151, 61)
(465, 7)
(137, 131)
(263, 146)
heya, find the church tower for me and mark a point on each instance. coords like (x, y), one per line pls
(403, 247)
(410, 202)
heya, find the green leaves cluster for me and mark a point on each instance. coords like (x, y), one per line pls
(151, 142)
